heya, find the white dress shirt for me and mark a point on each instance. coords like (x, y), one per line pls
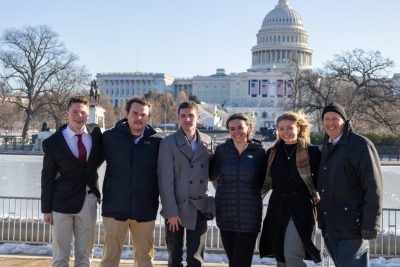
(72, 141)
(336, 140)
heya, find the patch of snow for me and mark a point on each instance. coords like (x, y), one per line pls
(46, 250)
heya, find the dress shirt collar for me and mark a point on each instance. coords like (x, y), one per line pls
(336, 140)
(71, 134)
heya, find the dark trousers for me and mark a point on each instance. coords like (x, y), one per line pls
(239, 247)
(348, 252)
(195, 244)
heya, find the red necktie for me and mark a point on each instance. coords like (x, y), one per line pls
(81, 149)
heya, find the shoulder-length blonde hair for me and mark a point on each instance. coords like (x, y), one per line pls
(301, 122)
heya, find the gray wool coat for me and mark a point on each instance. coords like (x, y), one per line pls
(183, 177)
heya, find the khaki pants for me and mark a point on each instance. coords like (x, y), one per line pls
(80, 225)
(142, 240)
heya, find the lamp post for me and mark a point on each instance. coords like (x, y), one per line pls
(165, 116)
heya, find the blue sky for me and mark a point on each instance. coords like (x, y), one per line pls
(184, 38)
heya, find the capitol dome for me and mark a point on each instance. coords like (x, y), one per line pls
(282, 41)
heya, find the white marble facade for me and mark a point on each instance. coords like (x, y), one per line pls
(281, 49)
(122, 86)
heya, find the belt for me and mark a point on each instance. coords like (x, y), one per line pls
(90, 191)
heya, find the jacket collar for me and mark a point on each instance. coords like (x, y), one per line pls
(186, 149)
(252, 142)
(124, 126)
(89, 127)
(63, 143)
(344, 139)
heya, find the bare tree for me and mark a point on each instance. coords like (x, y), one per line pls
(164, 108)
(111, 113)
(182, 97)
(167, 101)
(316, 90)
(359, 81)
(368, 94)
(30, 58)
(293, 101)
(62, 86)
(9, 113)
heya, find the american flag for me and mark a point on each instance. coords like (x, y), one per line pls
(290, 88)
(280, 88)
(253, 88)
(264, 88)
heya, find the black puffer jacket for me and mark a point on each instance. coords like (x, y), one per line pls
(130, 188)
(239, 180)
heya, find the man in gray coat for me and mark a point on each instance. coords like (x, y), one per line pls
(350, 185)
(183, 162)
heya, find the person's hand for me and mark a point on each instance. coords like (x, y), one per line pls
(173, 223)
(317, 199)
(48, 218)
(368, 234)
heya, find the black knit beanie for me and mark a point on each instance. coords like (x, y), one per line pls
(335, 107)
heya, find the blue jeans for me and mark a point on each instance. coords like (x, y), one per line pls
(349, 252)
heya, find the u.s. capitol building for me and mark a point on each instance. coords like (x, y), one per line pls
(282, 50)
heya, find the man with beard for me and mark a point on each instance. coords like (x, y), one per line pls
(130, 191)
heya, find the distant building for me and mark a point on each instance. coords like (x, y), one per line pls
(122, 86)
(21, 100)
(281, 50)
(182, 85)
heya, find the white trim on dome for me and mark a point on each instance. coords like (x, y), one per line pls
(283, 3)
(282, 41)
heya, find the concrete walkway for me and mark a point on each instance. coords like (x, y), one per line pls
(36, 261)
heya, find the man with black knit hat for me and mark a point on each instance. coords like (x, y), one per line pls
(350, 185)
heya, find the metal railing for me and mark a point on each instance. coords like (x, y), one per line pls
(389, 152)
(14, 143)
(21, 222)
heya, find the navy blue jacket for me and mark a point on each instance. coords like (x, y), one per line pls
(130, 188)
(239, 178)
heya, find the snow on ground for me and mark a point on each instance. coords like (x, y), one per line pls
(46, 250)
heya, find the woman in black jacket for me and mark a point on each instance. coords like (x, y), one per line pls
(238, 168)
(292, 165)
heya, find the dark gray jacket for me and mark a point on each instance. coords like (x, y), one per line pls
(350, 185)
(239, 178)
(130, 188)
